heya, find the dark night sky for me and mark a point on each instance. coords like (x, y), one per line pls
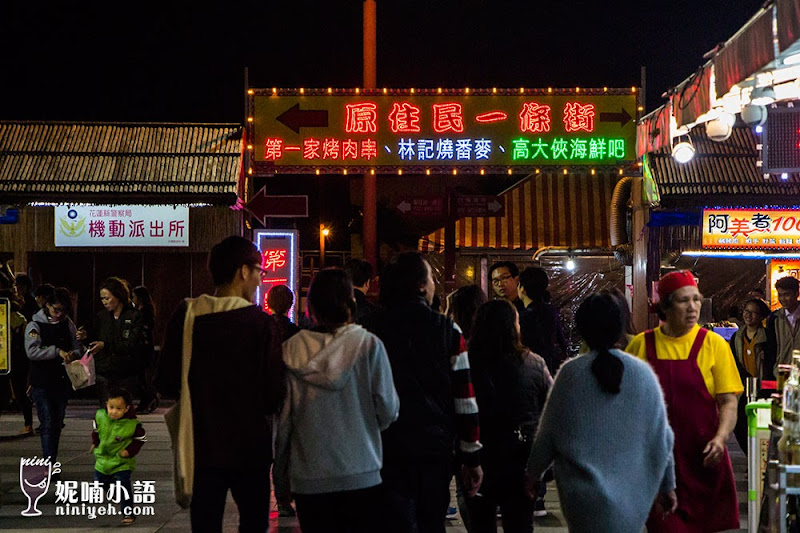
(179, 61)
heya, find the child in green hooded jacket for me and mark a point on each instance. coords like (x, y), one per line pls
(116, 439)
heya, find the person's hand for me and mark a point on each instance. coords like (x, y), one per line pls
(124, 453)
(531, 486)
(713, 452)
(92, 448)
(66, 356)
(665, 504)
(473, 477)
(81, 334)
(96, 346)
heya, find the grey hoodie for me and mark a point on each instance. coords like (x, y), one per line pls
(340, 396)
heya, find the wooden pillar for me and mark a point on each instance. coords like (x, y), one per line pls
(641, 238)
(370, 220)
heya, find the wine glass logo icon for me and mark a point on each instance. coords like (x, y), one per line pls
(34, 480)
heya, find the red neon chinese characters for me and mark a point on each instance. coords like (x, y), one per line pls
(741, 226)
(491, 116)
(448, 117)
(311, 149)
(369, 149)
(361, 118)
(578, 117)
(273, 149)
(534, 118)
(404, 118)
(273, 259)
(330, 149)
(349, 149)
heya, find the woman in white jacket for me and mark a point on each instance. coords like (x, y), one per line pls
(340, 396)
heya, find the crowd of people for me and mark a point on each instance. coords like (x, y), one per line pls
(365, 411)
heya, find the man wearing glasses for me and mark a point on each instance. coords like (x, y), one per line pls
(222, 358)
(505, 282)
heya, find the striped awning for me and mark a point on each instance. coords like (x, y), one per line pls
(546, 209)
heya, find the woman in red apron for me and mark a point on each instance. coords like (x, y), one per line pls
(701, 384)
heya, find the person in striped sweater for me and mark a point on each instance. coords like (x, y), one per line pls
(438, 423)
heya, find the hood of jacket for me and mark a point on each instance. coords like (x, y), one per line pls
(325, 360)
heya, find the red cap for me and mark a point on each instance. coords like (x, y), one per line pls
(674, 281)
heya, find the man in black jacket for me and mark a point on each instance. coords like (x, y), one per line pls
(438, 411)
(360, 272)
(222, 356)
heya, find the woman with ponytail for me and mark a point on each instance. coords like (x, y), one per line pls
(605, 430)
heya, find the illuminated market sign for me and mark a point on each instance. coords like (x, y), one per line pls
(121, 225)
(279, 265)
(428, 129)
(751, 229)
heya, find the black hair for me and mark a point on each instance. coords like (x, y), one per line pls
(44, 290)
(61, 295)
(763, 308)
(330, 298)
(600, 322)
(512, 268)
(280, 299)
(145, 299)
(788, 283)
(118, 288)
(463, 304)
(534, 280)
(120, 392)
(403, 278)
(228, 256)
(495, 334)
(24, 280)
(359, 270)
(14, 299)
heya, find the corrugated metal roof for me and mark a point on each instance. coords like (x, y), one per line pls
(727, 168)
(46, 161)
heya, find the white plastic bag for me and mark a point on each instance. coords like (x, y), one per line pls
(81, 372)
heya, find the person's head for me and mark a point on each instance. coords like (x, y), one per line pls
(788, 289)
(463, 304)
(754, 312)
(114, 294)
(495, 332)
(533, 283)
(330, 298)
(280, 299)
(601, 321)
(235, 265)
(14, 299)
(59, 304)
(119, 402)
(42, 292)
(679, 300)
(142, 299)
(505, 279)
(360, 272)
(757, 292)
(407, 276)
(23, 283)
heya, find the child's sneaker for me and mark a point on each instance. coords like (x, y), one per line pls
(128, 520)
(538, 508)
(452, 513)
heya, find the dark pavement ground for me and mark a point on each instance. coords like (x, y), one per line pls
(154, 464)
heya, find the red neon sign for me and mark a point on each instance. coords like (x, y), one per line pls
(273, 149)
(534, 118)
(578, 117)
(404, 118)
(273, 259)
(448, 117)
(491, 116)
(361, 118)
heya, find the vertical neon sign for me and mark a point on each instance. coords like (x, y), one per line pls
(278, 249)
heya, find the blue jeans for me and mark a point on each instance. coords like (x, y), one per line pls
(124, 478)
(51, 406)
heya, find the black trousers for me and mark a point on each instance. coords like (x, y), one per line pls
(352, 511)
(416, 494)
(249, 488)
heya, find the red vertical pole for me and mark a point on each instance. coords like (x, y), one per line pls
(370, 223)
